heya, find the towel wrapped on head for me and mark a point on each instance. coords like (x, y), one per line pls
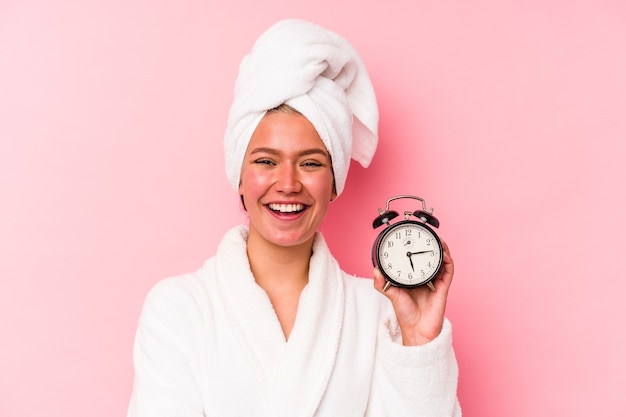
(318, 73)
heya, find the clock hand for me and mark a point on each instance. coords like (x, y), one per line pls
(417, 253)
(408, 254)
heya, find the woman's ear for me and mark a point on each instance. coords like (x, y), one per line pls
(240, 190)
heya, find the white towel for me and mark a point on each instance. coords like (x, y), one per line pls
(320, 74)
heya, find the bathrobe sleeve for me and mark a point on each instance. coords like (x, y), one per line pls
(416, 381)
(166, 379)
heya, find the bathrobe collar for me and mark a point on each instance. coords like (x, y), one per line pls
(293, 374)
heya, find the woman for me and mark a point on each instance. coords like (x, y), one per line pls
(271, 326)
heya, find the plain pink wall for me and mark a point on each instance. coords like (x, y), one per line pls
(507, 116)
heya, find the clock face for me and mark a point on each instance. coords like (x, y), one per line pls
(409, 253)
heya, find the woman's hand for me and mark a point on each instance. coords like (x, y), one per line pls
(420, 311)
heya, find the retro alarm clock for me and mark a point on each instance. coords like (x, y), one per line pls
(407, 252)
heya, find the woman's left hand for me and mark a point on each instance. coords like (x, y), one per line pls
(420, 311)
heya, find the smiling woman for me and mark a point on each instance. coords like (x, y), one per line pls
(271, 325)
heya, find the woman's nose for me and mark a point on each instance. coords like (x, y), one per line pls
(287, 180)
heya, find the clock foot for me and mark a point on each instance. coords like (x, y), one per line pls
(430, 285)
(387, 285)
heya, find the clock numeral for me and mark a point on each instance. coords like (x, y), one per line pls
(408, 232)
(386, 255)
(389, 265)
(428, 242)
(398, 235)
(410, 275)
(390, 243)
(399, 274)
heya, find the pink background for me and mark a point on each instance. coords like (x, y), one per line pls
(507, 116)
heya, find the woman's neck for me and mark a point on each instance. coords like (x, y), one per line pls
(274, 265)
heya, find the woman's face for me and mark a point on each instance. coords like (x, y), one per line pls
(286, 180)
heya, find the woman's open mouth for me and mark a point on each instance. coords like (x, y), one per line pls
(287, 208)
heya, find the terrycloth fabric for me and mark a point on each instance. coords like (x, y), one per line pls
(209, 344)
(318, 73)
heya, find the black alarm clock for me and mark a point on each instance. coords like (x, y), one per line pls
(408, 252)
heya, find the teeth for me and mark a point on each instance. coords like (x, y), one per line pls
(286, 208)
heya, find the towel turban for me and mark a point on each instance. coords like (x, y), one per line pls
(318, 73)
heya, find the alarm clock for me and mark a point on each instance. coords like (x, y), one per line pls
(407, 252)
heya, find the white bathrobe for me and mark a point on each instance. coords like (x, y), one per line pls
(209, 344)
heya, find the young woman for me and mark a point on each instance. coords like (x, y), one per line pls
(271, 326)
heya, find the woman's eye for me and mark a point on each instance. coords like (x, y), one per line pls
(264, 161)
(312, 164)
